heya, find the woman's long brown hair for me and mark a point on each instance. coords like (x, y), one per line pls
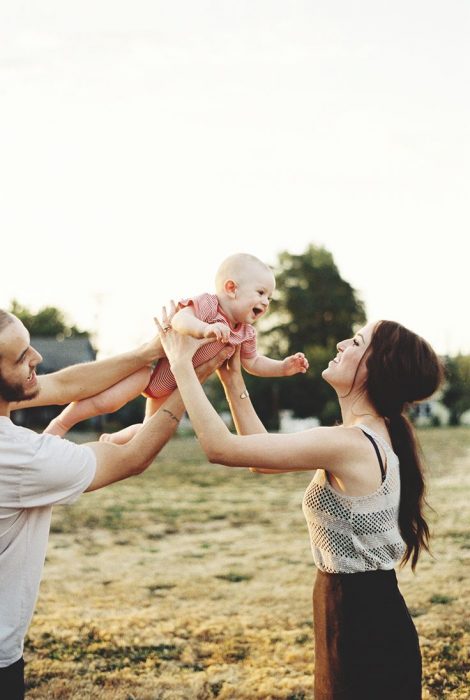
(403, 368)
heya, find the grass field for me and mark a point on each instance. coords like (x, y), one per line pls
(194, 581)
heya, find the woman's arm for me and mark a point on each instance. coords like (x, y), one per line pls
(244, 416)
(302, 451)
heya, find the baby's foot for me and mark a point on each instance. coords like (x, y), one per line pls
(122, 436)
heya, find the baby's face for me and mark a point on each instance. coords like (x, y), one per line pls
(253, 296)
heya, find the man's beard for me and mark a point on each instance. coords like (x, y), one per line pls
(15, 392)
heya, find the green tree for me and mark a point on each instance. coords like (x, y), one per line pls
(48, 321)
(313, 308)
(456, 394)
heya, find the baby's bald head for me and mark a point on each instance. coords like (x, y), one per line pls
(239, 267)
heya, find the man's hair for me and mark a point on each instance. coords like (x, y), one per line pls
(5, 319)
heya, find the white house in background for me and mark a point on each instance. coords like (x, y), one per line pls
(430, 412)
(465, 418)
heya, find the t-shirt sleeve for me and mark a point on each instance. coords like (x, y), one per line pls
(248, 348)
(55, 471)
(205, 306)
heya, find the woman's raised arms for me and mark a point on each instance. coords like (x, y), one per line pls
(307, 450)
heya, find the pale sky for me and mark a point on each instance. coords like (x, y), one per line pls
(141, 142)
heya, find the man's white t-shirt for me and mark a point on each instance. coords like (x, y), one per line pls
(36, 472)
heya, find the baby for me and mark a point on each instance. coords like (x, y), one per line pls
(244, 287)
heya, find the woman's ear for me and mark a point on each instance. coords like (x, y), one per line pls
(230, 288)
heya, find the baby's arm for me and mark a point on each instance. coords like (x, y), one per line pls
(185, 321)
(262, 366)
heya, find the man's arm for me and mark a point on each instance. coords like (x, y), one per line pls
(117, 462)
(89, 378)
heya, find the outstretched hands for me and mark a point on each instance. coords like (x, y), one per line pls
(153, 349)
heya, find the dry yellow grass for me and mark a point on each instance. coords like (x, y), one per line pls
(194, 582)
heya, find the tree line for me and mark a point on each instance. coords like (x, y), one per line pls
(313, 307)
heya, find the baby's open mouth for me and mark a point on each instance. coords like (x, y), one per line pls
(257, 312)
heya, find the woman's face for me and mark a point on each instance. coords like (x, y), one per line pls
(348, 369)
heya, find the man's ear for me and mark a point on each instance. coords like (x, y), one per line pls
(230, 288)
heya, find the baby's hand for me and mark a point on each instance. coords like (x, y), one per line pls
(295, 364)
(219, 331)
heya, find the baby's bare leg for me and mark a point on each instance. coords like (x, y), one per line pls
(107, 401)
(121, 436)
(126, 434)
(152, 405)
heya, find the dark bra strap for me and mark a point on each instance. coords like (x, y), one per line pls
(379, 456)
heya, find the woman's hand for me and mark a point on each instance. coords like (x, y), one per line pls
(179, 348)
(153, 348)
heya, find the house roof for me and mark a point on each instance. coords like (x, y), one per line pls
(62, 353)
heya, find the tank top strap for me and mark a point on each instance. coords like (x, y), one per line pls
(377, 452)
(378, 438)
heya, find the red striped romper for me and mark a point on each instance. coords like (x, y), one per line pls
(206, 308)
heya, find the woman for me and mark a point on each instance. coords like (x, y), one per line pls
(364, 506)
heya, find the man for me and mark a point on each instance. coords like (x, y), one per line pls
(38, 471)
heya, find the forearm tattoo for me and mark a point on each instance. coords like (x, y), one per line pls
(172, 415)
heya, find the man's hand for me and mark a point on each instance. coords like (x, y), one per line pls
(207, 368)
(295, 364)
(231, 369)
(154, 349)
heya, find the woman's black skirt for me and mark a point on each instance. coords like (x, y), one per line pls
(366, 645)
